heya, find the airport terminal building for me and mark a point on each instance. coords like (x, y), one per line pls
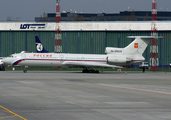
(82, 37)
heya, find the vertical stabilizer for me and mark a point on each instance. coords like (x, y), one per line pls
(139, 45)
(39, 46)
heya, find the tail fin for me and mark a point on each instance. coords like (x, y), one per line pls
(139, 45)
(39, 46)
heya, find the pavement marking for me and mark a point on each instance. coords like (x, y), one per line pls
(7, 117)
(134, 89)
(3, 111)
(11, 113)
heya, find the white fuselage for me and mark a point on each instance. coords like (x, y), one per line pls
(61, 59)
(54, 59)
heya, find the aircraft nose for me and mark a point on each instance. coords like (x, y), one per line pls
(7, 61)
(4, 61)
(1, 62)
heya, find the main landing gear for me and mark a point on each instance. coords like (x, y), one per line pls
(2, 69)
(90, 70)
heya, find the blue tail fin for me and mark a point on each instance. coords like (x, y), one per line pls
(39, 46)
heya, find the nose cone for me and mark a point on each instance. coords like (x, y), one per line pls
(1, 62)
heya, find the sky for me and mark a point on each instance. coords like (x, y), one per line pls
(27, 10)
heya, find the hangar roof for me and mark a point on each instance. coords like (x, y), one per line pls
(85, 26)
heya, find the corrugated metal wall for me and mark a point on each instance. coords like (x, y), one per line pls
(70, 42)
(85, 43)
(6, 43)
(165, 48)
(88, 42)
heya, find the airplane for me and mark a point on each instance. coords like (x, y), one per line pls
(114, 57)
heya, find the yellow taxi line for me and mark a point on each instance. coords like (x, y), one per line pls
(3, 111)
(7, 117)
(12, 113)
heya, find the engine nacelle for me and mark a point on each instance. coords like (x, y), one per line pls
(111, 50)
(118, 60)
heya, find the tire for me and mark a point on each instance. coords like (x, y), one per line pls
(3, 69)
(83, 71)
(25, 71)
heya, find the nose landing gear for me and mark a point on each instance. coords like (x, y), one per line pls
(25, 71)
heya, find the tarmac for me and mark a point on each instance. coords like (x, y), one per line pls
(59, 95)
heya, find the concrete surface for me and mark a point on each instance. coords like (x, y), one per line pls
(51, 95)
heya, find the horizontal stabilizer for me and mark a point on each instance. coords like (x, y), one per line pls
(145, 37)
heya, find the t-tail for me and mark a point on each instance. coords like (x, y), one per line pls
(135, 49)
(39, 46)
(139, 45)
(133, 52)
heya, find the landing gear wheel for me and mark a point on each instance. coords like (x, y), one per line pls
(86, 70)
(25, 71)
(3, 69)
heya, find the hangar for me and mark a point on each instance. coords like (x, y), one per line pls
(82, 37)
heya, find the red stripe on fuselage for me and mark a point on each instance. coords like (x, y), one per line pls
(58, 60)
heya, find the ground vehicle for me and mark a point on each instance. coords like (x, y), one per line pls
(144, 65)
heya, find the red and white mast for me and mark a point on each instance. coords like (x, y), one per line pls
(154, 61)
(58, 37)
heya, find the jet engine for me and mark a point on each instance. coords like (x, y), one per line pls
(117, 60)
(112, 50)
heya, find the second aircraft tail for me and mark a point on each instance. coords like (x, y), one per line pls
(39, 46)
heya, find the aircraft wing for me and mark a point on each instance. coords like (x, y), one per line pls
(90, 65)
